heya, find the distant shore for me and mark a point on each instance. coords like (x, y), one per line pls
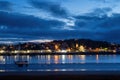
(72, 53)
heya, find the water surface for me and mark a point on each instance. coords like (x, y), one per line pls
(61, 63)
(56, 59)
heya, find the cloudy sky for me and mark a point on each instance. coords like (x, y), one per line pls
(37, 20)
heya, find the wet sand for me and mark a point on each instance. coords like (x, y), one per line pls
(61, 75)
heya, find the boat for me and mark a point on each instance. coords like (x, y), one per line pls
(20, 62)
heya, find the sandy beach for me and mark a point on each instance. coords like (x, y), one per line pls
(61, 75)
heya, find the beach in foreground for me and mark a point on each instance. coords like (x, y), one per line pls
(61, 75)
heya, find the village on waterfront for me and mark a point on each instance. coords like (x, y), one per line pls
(61, 46)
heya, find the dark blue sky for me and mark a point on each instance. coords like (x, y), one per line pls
(37, 20)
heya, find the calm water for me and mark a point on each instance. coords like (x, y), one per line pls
(58, 59)
(62, 63)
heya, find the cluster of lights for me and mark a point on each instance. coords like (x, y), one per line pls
(58, 49)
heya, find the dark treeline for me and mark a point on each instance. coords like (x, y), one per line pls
(63, 44)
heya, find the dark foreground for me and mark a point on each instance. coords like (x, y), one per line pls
(61, 75)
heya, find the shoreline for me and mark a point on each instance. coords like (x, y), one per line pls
(72, 53)
(61, 75)
(43, 73)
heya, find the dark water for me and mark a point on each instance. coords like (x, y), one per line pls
(57, 59)
(61, 62)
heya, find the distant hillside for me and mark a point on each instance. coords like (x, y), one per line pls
(61, 44)
(87, 43)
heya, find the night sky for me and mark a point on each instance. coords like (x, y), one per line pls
(38, 20)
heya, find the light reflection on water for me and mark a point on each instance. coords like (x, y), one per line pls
(57, 59)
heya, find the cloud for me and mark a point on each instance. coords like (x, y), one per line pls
(94, 19)
(101, 28)
(106, 1)
(96, 24)
(87, 20)
(14, 25)
(28, 27)
(54, 8)
(111, 22)
(65, 34)
(102, 10)
(26, 21)
(5, 5)
(99, 12)
(91, 20)
(109, 35)
(25, 26)
(113, 35)
(103, 1)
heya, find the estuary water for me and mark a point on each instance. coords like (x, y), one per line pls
(61, 62)
(58, 59)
